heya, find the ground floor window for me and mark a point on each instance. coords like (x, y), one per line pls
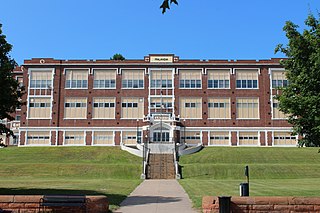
(103, 138)
(191, 137)
(38, 138)
(131, 137)
(74, 138)
(219, 138)
(248, 138)
(284, 139)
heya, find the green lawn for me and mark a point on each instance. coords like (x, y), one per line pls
(273, 171)
(115, 173)
(70, 170)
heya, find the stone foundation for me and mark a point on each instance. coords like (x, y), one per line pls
(30, 203)
(210, 204)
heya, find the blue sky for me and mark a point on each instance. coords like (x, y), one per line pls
(196, 29)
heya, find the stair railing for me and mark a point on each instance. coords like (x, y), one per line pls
(176, 165)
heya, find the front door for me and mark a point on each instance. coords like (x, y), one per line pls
(161, 136)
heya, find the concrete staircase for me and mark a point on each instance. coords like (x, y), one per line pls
(161, 166)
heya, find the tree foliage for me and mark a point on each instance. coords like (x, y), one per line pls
(118, 57)
(300, 100)
(166, 5)
(10, 90)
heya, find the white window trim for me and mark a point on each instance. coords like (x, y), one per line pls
(26, 138)
(235, 73)
(253, 145)
(248, 118)
(127, 68)
(84, 138)
(230, 71)
(110, 88)
(92, 138)
(222, 145)
(64, 74)
(272, 138)
(199, 69)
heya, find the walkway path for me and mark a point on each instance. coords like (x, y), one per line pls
(157, 196)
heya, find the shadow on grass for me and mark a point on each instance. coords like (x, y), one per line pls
(114, 199)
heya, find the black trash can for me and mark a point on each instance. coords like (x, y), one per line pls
(224, 204)
(244, 189)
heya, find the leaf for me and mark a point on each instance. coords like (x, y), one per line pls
(165, 6)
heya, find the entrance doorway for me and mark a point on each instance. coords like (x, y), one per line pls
(161, 136)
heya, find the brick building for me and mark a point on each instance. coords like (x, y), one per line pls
(160, 98)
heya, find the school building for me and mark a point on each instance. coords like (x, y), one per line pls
(158, 99)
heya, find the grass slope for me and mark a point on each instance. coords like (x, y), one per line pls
(273, 171)
(69, 170)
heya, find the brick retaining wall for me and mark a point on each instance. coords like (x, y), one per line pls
(210, 204)
(30, 203)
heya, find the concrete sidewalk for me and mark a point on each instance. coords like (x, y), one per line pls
(157, 196)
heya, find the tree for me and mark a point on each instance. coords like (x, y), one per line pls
(300, 100)
(166, 5)
(10, 97)
(117, 57)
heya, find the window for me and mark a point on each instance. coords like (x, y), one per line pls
(219, 138)
(161, 103)
(39, 108)
(191, 108)
(218, 79)
(18, 118)
(190, 79)
(132, 108)
(104, 108)
(219, 108)
(76, 79)
(130, 137)
(38, 138)
(191, 137)
(248, 138)
(132, 79)
(161, 79)
(284, 138)
(74, 138)
(75, 108)
(248, 108)
(40, 79)
(279, 79)
(104, 79)
(276, 113)
(246, 79)
(103, 138)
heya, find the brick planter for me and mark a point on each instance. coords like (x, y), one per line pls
(210, 204)
(30, 203)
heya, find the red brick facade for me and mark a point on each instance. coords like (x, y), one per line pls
(57, 124)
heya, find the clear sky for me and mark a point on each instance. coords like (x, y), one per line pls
(196, 29)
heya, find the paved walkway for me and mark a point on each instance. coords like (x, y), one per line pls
(157, 196)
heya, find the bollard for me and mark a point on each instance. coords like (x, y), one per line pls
(224, 204)
(244, 189)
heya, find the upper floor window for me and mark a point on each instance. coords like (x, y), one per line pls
(161, 103)
(218, 79)
(219, 108)
(39, 107)
(247, 78)
(104, 107)
(279, 79)
(104, 79)
(190, 79)
(161, 79)
(75, 108)
(76, 79)
(40, 79)
(132, 79)
(276, 113)
(248, 108)
(191, 108)
(132, 108)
